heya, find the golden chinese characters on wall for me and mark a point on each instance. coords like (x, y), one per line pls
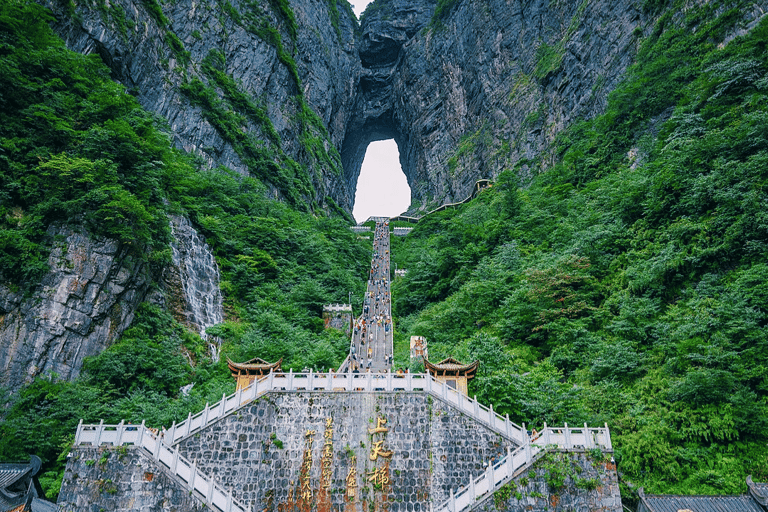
(304, 497)
(378, 476)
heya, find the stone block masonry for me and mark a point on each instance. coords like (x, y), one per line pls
(121, 479)
(560, 481)
(363, 452)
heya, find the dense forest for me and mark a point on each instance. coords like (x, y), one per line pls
(628, 283)
(625, 284)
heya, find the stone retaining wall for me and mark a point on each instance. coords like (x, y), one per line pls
(574, 481)
(340, 452)
(121, 479)
(273, 454)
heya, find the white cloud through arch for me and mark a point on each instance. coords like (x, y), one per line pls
(359, 6)
(382, 189)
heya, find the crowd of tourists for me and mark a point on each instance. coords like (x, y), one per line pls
(371, 348)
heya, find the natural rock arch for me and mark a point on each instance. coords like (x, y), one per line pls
(375, 113)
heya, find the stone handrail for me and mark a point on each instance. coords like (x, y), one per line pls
(168, 458)
(337, 307)
(366, 382)
(344, 366)
(343, 382)
(500, 472)
(497, 474)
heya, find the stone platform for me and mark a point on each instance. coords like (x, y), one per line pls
(351, 451)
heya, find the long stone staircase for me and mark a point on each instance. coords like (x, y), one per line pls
(163, 448)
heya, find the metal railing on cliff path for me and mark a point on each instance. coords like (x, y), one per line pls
(502, 471)
(167, 457)
(479, 185)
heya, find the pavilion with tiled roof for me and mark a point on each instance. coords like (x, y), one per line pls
(19, 489)
(245, 373)
(759, 491)
(755, 501)
(453, 373)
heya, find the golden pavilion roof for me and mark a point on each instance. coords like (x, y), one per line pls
(255, 366)
(450, 366)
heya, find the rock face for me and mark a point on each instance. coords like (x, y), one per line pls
(86, 300)
(138, 44)
(487, 88)
(192, 281)
(89, 298)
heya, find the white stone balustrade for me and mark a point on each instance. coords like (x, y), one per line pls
(562, 438)
(212, 494)
(500, 472)
(346, 382)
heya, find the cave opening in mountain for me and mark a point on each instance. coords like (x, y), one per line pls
(382, 187)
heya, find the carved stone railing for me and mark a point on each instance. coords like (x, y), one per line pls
(500, 472)
(348, 382)
(345, 382)
(497, 474)
(167, 457)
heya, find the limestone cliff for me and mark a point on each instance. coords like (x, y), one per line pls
(480, 87)
(294, 71)
(90, 295)
(82, 304)
(487, 86)
(293, 91)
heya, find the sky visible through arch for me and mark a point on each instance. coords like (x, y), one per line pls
(382, 190)
(359, 6)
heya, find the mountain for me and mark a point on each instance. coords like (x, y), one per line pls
(169, 165)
